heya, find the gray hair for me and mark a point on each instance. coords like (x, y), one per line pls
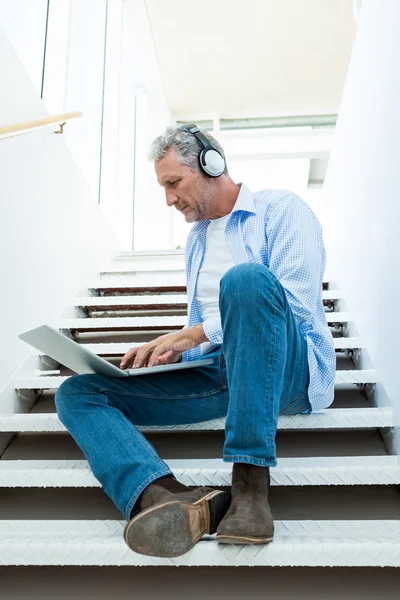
(185, 144)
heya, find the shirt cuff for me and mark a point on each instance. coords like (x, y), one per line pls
(213, 330)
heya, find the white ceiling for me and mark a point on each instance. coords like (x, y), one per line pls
(252, 57)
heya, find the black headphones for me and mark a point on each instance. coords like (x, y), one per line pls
(211, 161)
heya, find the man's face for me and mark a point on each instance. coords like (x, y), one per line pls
(189, 191)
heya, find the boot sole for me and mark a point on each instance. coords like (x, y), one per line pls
(173, 528)
(238, 539)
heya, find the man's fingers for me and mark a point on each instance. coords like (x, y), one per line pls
(157, 353)
(149, 354)
(166, 358)
(128, 358)
(142, 355)
(136, 356)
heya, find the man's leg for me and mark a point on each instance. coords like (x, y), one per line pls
(266, 368)
(102, 413)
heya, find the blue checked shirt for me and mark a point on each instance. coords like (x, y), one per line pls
(278, 229)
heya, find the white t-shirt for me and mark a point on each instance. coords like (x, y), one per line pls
(217, 261)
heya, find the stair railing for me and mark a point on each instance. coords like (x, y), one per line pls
(15, 129)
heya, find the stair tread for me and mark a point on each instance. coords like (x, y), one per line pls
(147, 278)
(121, 254)
(292, 471)
(54, 382)
(144, 278)
(330, 418)
(146, 266)
(115, 322)
(116, 348)
(89, 301)
(296, 543)
(151, 321)
(157, 299)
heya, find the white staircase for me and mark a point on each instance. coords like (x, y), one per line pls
(335, 490)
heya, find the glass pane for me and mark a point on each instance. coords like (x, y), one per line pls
(84, 86)
(24, 22)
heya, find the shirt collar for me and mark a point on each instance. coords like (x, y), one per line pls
(244, 203)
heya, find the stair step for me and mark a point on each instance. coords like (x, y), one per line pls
(298, 471)
(126, 266)
(331, 295)
(139, 282)
(125, 302)
(137, 288)
(296, 543)
(121, 348)
(361, 376)
(331, 418)
(147, 265)
(153, 300)
(112, 349)
(147, 278)
(123, 254)
(151, 264)
(122, 323)
(163, 322)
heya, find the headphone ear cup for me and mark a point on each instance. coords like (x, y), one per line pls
(212, 163)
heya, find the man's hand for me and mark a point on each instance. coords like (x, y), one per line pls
(165, 349)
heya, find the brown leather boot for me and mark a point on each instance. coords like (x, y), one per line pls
(171, 523)
(249, 519)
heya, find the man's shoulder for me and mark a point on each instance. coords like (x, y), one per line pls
(271, 197)
(282, 200)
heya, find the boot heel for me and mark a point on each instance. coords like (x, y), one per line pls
(218, 506)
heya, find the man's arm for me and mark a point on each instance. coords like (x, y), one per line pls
(199, 334)
(294, 237)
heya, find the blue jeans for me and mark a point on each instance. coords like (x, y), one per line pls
(260, 370)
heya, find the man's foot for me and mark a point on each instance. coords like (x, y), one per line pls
(170, 524)
(249, 519)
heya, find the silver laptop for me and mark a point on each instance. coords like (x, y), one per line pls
(81, 360)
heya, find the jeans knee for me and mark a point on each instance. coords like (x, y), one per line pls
(245, 278)
(71, 391)
(63, 396)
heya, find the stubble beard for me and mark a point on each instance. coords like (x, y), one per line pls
(204, 199)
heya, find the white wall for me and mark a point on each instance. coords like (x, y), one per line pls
(53, 235)
(362, 189)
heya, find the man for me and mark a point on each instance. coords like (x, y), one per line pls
(254, 265)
